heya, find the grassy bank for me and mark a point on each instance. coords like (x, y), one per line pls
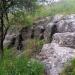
(12, 64)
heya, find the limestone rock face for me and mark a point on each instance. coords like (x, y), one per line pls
(65, 39)
(63, 24)
(59, 52)
(66, 25)
(62, 48)
(54, 57)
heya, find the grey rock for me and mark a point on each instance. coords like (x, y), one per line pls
(55, 65)
(63, 23)
(66, 26)
(66, 39)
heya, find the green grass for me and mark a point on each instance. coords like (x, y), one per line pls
(19, 65)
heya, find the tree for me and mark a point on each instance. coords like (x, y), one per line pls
(5, 7)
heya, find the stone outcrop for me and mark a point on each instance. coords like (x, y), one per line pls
(63, 23)
(61, 50)
(66, 39)
(55, 54)
(55, 57)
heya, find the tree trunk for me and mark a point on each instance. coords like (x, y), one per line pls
(1, 35)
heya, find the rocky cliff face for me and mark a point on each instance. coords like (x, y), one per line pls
(34, 32)
(62, 48)
(43, 27)
(58, 53)
(55, 57)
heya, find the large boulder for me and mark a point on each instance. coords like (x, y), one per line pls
(54, 57)
(66, 25)
(58, 53)
(66, 39)
(63, 24)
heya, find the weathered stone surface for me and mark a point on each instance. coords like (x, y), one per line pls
(66, 26)
(54, 57)
(61, 50)
(9, 39)
(63, 23)
(65, 39)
